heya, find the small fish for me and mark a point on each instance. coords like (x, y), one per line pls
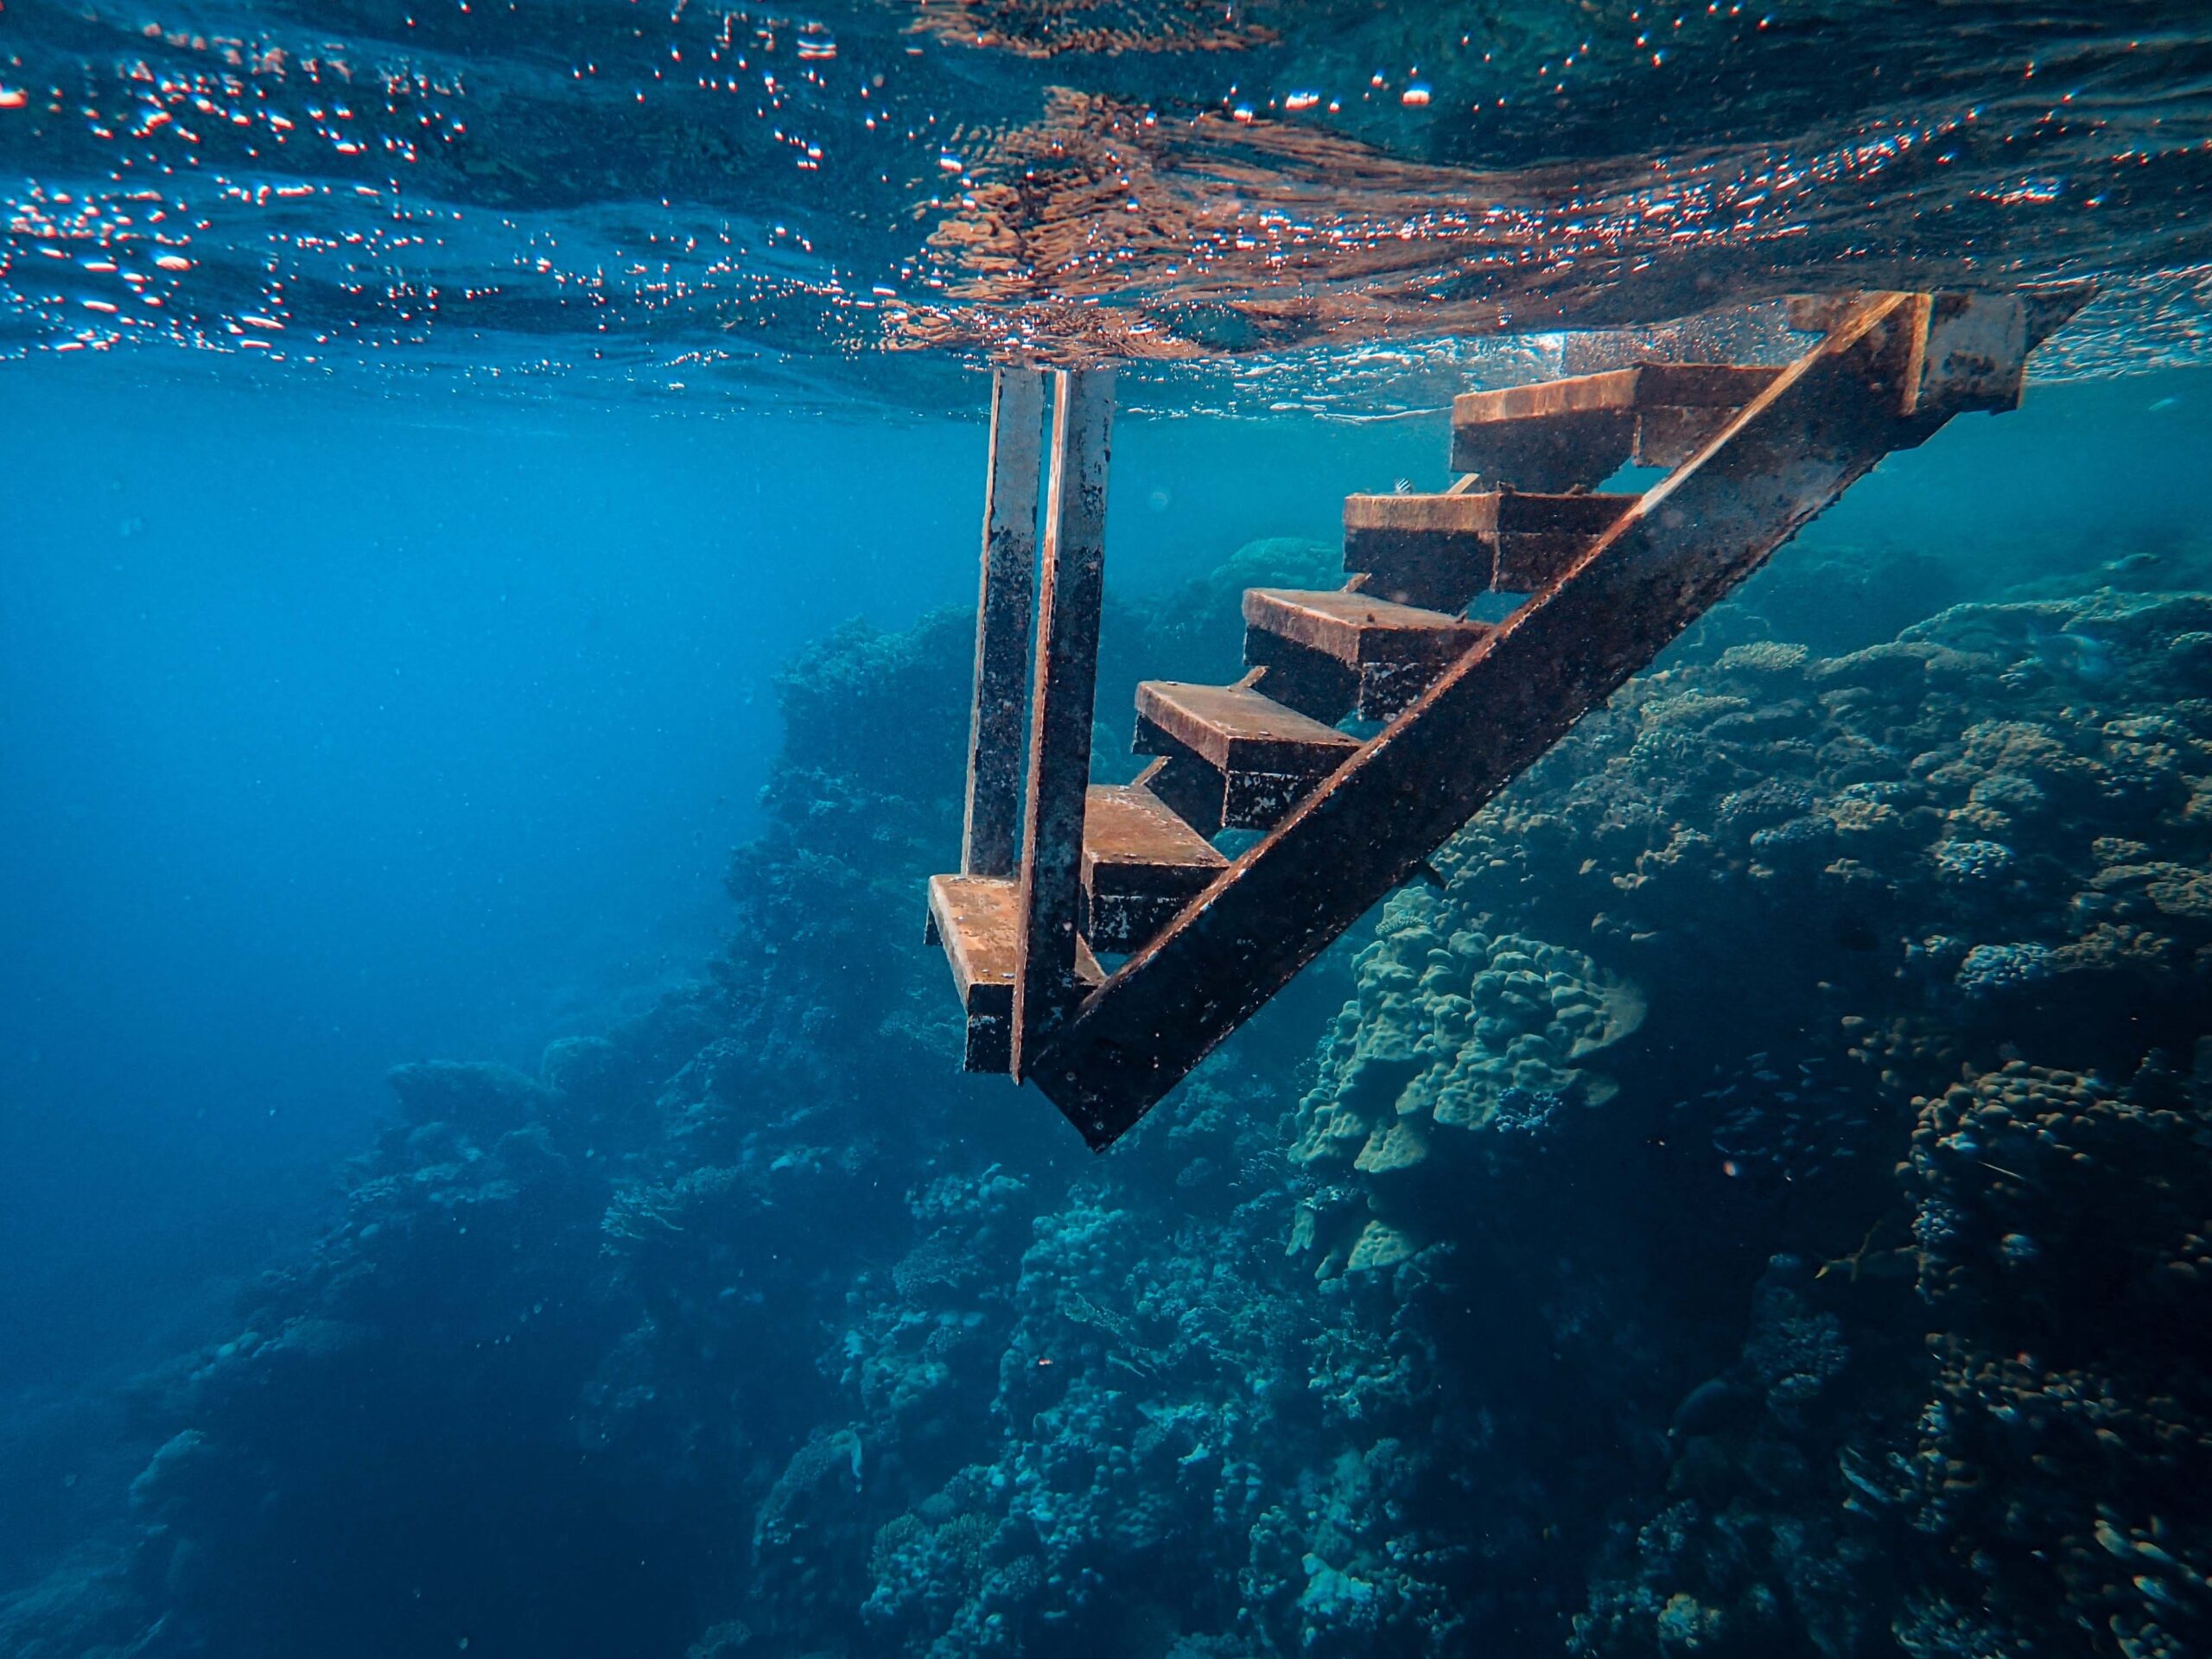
(1710, 1406)
(2164, 403)
(2086, 658)
(1852, 1470)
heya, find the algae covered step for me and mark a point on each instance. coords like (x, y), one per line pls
(1236, 759)
(977, 918)
(1349, 652)
(1561, 434)
(1140, 864)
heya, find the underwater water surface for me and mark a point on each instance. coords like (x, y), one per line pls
(486, 638)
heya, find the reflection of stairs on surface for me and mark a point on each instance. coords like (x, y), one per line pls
(1462, 706)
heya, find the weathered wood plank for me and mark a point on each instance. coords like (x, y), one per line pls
(976, 919)
(1816, 429)
(1561, 433)
(1235, 757)
(1438, 551)
(1071, 580)
(973, 917)
(1355, 627)
(1330, 654)
(1140, 864)
(1237, 728)
(1648, 385)
(1477, 512)
(989, 839)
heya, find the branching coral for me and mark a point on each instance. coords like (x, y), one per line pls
(2066, 1238)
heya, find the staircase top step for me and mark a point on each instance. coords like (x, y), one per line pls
(1356, 627)
(1650, 385)
(1237, 729)
(978, 917)
(1478, 513)
(1128, 825)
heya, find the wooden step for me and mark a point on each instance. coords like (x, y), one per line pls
(1140, 864)
(1237, 759)
(1346, 653)
(1564, 433)
(1440, 551)
(978, 920)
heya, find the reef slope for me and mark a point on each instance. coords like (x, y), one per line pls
(1757, 1203)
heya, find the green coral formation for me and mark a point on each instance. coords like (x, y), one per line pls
(2064, 1229)
(1917, 933)
(1447, 1031)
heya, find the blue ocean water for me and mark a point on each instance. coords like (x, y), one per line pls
(485, 645)
(347, 729)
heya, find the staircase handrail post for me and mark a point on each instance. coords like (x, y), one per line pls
(1071, 582)
(989, 841)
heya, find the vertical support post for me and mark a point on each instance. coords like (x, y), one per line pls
(988, 843)
(1071, 584)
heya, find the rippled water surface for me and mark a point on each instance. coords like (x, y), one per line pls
(696, 201)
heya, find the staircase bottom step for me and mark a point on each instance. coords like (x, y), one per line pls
(978, 920)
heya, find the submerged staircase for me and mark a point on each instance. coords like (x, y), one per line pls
(1442, 711)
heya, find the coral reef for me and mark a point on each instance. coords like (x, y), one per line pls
(1978, 846)
(2064, 1227)
(1757, 1201)
(1452, 1044)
